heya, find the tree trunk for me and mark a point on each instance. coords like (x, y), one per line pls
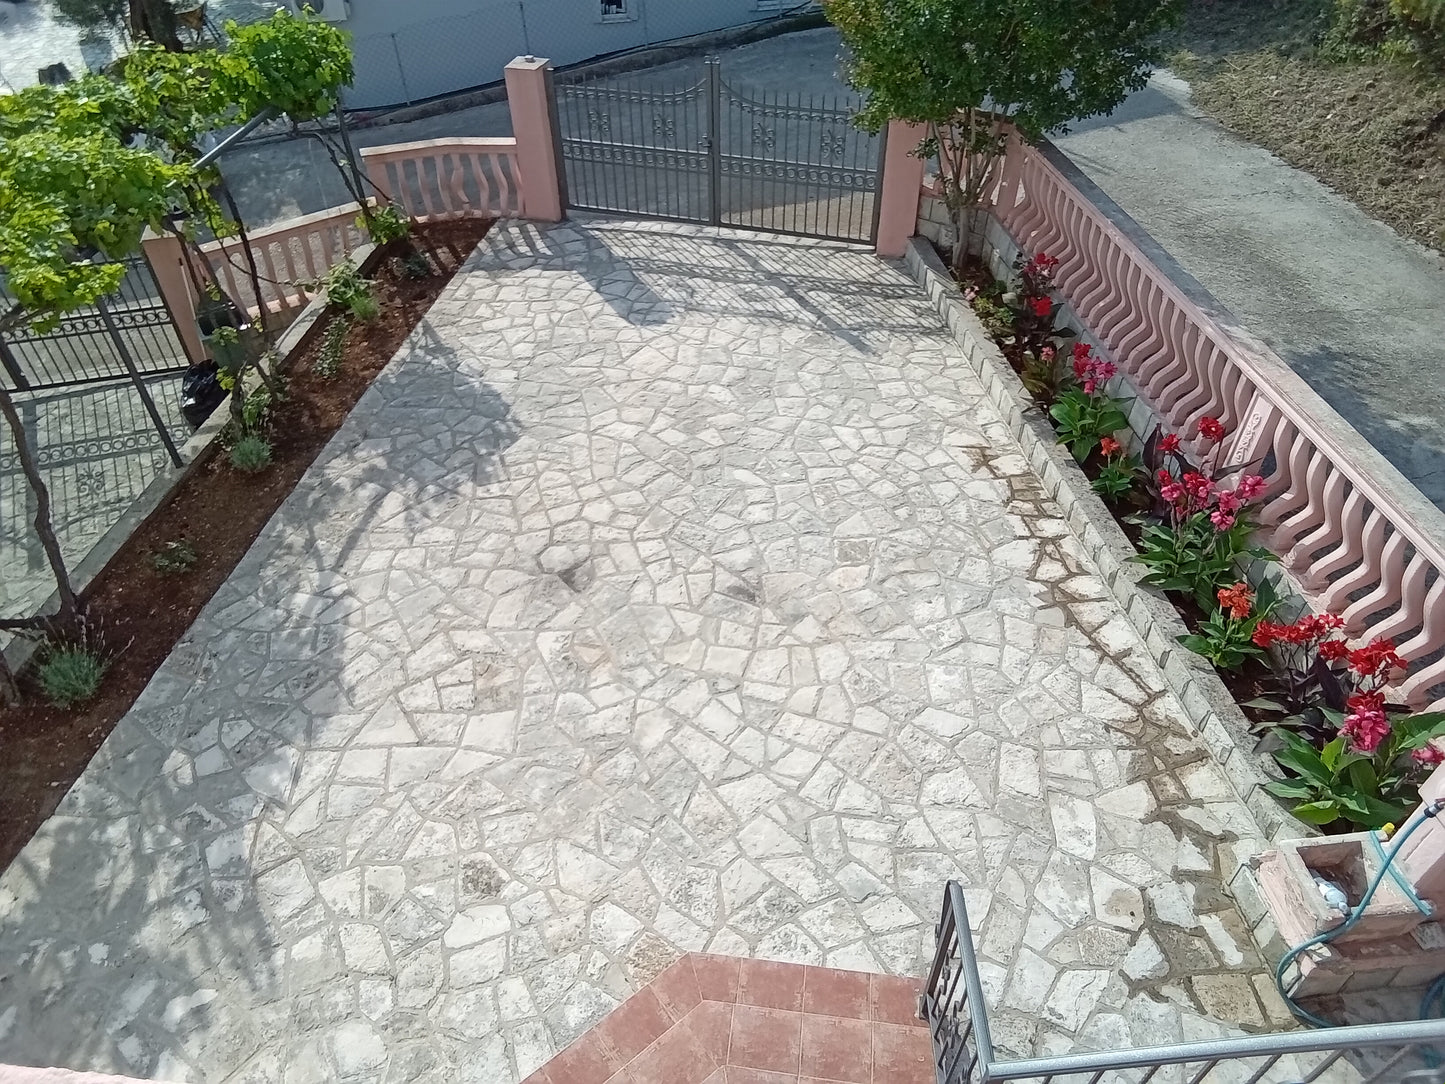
(9, 691)
(155, 20)
(44, 530)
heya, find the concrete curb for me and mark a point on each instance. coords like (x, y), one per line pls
(1210, 706)
(198, 450)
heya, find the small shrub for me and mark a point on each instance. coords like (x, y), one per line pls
(347, 288)
(387, 224)
(176, 556)
(71, 674)
(1117, 475)
(996, 318)
(251, 454)
(415, 265)
(1227, 638)
(256, 409)
(328, 358)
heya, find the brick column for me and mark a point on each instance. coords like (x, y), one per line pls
(899, 193)
(167, 258)
(529, 98)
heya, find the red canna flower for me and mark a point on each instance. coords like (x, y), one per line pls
(1428, 755)
(1172, 492)
(1376, 660)
(1082, 351)
(1333, 650)
(1109, 446)
(1236, 600)
(1169, 442)
(1211, 429)
(1222, 520)
(1042, 306)
(1265, 634)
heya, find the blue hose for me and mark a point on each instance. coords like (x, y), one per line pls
(1356, 913)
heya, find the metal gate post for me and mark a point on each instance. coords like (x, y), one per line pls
(878, 185)
(140, 387)
(714, 140)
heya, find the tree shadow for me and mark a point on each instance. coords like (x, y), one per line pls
(236, 862)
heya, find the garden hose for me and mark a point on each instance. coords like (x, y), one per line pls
(1428, 811)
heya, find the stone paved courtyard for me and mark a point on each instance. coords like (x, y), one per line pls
(674, 590)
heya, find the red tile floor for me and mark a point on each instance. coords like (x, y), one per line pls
(723, 1020)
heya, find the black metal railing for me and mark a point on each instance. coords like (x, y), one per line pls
(957, 1015)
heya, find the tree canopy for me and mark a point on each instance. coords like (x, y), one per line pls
(1039, 63)
(87, 166)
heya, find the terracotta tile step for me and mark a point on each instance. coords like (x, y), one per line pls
(724, 1020)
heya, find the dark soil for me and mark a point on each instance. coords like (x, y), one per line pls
(1370, 125)
(140, 612)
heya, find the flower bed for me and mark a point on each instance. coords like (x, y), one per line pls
(1352, 758)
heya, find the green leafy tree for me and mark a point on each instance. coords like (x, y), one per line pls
(85, 168)
(968, 68)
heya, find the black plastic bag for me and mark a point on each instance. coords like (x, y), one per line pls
(201, 393)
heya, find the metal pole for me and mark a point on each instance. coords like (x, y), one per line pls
(356, 178)
(140, 387)
(554, 119)
(714, 140)
(235, 137)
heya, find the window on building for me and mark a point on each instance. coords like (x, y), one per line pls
(614, 9)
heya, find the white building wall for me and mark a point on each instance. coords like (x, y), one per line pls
(409, 50)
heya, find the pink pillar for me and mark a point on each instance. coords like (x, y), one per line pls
(167, 258)
(529, 98)
(1423, 855)
(899, 193)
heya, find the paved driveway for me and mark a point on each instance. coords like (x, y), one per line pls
(674, 589)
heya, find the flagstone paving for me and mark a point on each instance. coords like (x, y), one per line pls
(675, 589)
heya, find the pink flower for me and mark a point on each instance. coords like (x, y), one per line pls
(1228, 502)
(1105, 370)
(1171, 492)
(1198, 485)
(1429, 755)
(1047, 354)
(1169, 443)
(1366, 724)
(1090, 386)
(1250, 487)
(1211, 429)
(970, 293)
(1222, 520)
(1109, 446)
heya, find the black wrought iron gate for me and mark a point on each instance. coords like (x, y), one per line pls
(710, 152)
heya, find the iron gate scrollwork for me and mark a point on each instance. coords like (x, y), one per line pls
(715, 153)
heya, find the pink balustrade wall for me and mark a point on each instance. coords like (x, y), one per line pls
(290, 257)
(436, 179)
(1354, 534)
